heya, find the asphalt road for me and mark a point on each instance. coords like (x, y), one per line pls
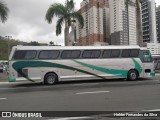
(90, 98)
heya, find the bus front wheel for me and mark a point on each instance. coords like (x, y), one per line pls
(132, 75)
(50, 79)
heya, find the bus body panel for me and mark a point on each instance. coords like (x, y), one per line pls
(76, 69)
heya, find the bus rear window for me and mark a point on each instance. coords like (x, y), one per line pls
(24, 54)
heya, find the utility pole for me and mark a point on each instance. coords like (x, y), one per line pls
(8, 38)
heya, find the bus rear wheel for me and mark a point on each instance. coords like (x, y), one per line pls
(50, 79)
(132, 75)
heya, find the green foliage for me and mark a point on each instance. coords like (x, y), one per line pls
(3, 12)
(65, 14)
(4, 46)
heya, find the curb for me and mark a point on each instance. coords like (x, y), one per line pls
(4, 83)
(157, 74)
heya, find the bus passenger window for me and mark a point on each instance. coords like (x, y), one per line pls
(24, 54)
(126, 53)
(30, 55)
(49, 54)
(71, 54)
(106, 54)
(134, 53)
(115, 53)
(91, 54)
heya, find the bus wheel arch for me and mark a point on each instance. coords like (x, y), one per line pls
(50, 78)
(132, 75)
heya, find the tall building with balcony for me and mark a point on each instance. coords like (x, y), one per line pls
(123, 22)
(149, 21)
(158, 23)
(96, 23)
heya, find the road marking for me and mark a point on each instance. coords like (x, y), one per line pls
(70, 118)
(154, 110)
(92, 92)
(3, 98)
(13, 88)
(88, 84)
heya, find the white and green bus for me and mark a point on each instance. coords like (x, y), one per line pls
(50, 64)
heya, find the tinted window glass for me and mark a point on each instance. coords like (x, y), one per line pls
(91, 53)
(126, 53)
(49, 54)
(115, 53)
(71, 54)
(20, 55)
(106, 53)
(147, 56)
(134, 53)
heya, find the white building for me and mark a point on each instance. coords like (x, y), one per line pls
(154, 48)
(96, 22)
(149, 21)
(123, 22)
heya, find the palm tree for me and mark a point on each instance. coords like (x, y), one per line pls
(138, 22)
(66, 14)
(3, 12)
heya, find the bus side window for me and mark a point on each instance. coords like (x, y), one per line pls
(126, 53)
(49, 54)
(106, 54)
(91, 54)
(30, 55)
(134, 53)
(71, 54)
(115, 53)
(23, 54)
(18, 55)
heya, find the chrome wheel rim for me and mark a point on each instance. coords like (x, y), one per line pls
(133, 76)
(51, 79)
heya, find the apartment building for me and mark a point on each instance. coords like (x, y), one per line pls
(154, 48)
(158, 23)
(149, 21)
(123, 22)
(96, 23)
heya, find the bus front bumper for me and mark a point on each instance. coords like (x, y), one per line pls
(152, 74)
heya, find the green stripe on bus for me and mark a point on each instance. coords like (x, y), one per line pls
(120, 73)
(18, 66)
(137, 66)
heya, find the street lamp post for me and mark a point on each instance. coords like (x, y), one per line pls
(8, 37)
(74, 31)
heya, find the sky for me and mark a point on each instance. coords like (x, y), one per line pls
(26, 21)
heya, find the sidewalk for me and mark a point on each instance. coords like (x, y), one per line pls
(158, 71)
(3, 78)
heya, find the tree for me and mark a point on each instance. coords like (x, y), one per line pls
(3, 12)
(138, 22)
(65, 13)
(33, 43)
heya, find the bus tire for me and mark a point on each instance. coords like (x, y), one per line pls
(132, 75)
(50, 79)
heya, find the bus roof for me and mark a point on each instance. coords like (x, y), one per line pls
(72, 47)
